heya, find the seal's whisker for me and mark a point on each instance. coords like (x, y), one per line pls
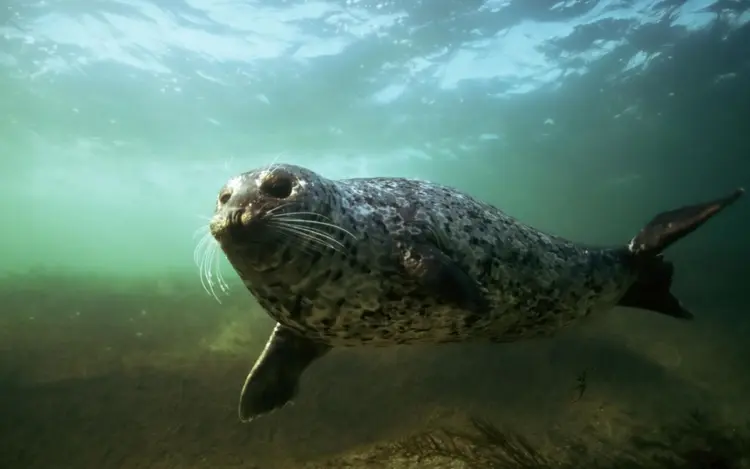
(203, 249)
(271, 212)
(206, 271)
(204, 256)
(291, 214)
(307, 245)
(222, 282)
(313, 236)
(203, 217)
(209, 272)
(273, 165)
(197, 250)
(316, 232)
(201, 259)
(310, 235)
(201, 230)
(200, 248)
(321, 223)
(223, 286)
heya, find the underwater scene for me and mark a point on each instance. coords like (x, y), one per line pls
(282, 234)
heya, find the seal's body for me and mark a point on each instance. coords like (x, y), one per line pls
(387, 261)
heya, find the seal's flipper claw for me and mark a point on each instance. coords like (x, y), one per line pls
(442, 277)
(668, 227)
(274, 379)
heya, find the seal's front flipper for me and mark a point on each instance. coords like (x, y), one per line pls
(442, 277)
(651, 289)
(274, 379)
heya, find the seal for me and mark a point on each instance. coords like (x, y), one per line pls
(387, 261)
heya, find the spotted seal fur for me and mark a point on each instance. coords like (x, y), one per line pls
(386, 261)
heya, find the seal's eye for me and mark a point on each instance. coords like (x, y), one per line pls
(224, 197)
(277, 186)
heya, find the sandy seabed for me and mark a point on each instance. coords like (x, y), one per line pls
(148, 376)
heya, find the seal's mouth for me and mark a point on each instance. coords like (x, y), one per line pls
(241, 221)
(238, 225)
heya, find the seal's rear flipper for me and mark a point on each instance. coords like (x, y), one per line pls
(668, 227)
(651, 289)
(274, 379)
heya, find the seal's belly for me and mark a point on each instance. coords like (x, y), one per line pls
(378, 321)
(371, 322)
(387, 326)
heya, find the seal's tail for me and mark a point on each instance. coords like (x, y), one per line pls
(651, 291)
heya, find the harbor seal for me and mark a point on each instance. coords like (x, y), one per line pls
(387, 261)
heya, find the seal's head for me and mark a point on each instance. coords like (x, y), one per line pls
(266, 217)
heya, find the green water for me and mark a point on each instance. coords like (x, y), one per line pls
(119, 122)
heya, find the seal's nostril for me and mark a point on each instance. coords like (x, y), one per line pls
(235, 217)
(238, 216)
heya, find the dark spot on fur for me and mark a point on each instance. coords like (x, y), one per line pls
(408, 213)
(286, 256)
(295, 311)
(315, 257)
(544, 306)
(391, 295)
(366, 314)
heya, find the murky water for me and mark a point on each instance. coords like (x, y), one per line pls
(119, 122)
